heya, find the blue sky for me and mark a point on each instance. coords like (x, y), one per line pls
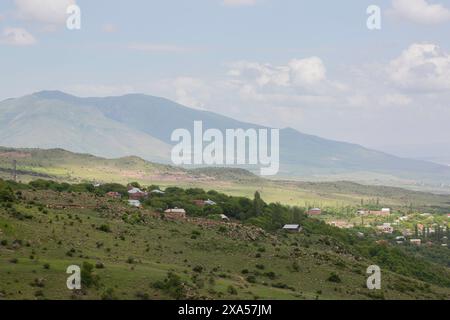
(311, 65)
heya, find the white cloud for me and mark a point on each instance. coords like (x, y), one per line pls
(420, 11)
(296, 73)
(239, 3)
(16, 37)
(158, 48)
(307, 71)
(51, 12)
(421, 68)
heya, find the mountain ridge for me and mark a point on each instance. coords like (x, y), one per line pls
(141, 125)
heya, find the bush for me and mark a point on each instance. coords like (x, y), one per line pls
(198, 269)
(104, 228)
(232, 290)
(172, 286)
(6, 193)
(334, 278)
(109, 294)
(88, 278)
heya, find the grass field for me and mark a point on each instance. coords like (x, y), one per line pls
(212, 260)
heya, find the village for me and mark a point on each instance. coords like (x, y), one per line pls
(388, 225)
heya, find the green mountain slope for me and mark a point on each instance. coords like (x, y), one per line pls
(127, 253)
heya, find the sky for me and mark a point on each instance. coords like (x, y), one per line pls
(311, 65)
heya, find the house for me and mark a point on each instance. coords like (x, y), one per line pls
(202, 203)
(416, 242)
(224, 217)
(386, 228)
(388, 210)
(380, 213)
(210, 203)
(341, 224)
(156, 191)
(113, 194)
(292, 227)
(136, 194)
(134, 203)
(400, 239)
(175, 213)
(314, 212)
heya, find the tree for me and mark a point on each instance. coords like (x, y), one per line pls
(6, 193)
(257, 204)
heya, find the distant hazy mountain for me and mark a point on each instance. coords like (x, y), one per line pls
(141, 125)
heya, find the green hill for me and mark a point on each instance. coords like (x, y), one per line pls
(128, 253)
(65, 166)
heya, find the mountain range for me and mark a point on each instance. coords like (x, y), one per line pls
(141, 125)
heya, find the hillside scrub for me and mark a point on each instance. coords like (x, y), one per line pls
(255, 212)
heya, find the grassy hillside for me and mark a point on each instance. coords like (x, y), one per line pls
(62, 165)
(138, 254)
(66, 166)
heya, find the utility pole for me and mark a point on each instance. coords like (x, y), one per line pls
(15, 170)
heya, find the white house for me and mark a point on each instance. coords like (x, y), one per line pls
(210, 202)
(386, 228)
(400, 239)
(292, 227)
(175, 213)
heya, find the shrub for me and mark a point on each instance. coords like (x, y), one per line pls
(198, 269)
(232, 290)
(88, 278)
(172, 286)
(334, 278)
(109, 294)
(104, 228)
(6, 193)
